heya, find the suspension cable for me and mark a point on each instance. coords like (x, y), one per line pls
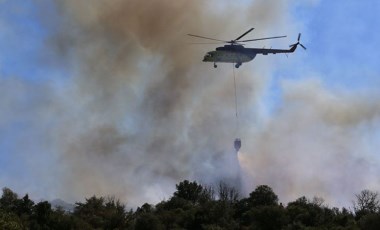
(236, 101)
(237, 142)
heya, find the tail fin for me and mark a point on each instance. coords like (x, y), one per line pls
(293, 47)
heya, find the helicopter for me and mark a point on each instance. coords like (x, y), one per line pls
(235, 52)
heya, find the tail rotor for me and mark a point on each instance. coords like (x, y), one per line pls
(298, 43)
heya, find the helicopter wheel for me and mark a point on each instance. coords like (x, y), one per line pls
(215, 65)
(237, 65)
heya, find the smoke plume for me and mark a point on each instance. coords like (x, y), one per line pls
(145, 113)
(319, 142)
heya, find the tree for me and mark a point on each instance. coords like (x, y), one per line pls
(312, 214)
(190, 191)
(61, 220)
(10, 221)
(260, 210)
(370, 221)
(8, 200)
(145, 208)
(148, 221)
(24, 209)
(115, 214)
(227, 193)
(90, 211)
(265, 217)
(262, 195)
(343, 218)
(366, 202)
(24, 206)
(102, 213)
(42, 212)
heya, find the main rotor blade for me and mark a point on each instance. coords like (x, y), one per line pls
(258, 39)
(244, 34)
(197, 36)
(299, 37)
(303, 46)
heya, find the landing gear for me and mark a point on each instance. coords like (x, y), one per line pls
(237, 65)
(215, 65)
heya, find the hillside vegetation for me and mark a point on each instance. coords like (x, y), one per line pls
(194, 206)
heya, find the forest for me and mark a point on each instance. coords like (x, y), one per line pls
(194, 206)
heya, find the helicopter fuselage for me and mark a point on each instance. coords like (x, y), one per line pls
(238, 54)
(230, 54)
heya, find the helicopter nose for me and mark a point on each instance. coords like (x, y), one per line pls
(207, 58)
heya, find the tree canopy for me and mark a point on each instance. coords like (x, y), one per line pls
(193, 206)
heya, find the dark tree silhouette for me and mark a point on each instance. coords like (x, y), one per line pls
(190, 191)
(193, 206)
(366, 202)
(263, 195)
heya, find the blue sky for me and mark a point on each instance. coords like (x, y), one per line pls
(341, 39)
(341, 46)
(22, 39)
